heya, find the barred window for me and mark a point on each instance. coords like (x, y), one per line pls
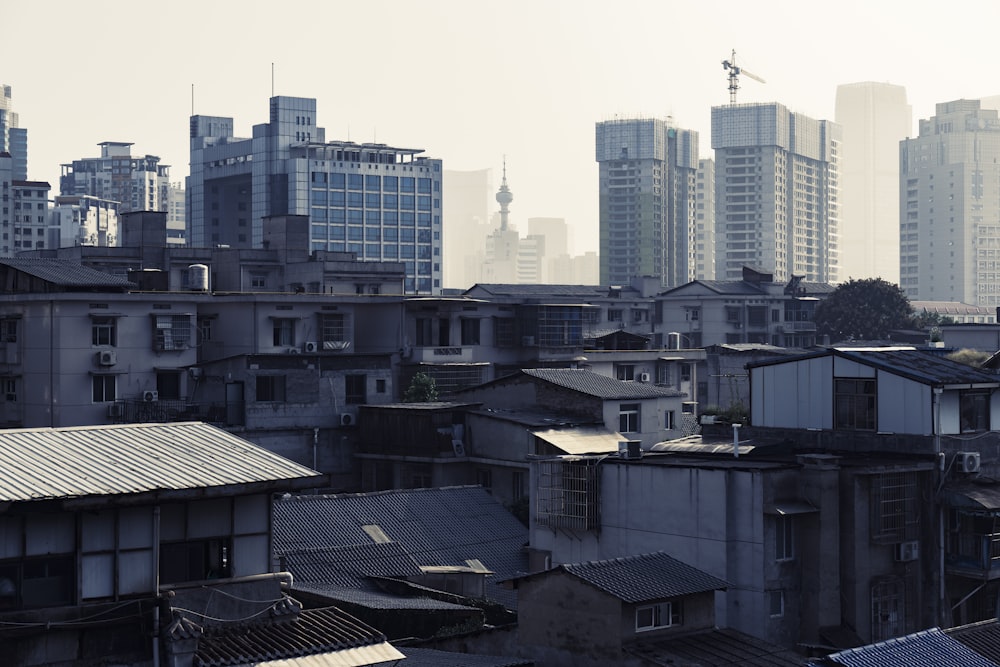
(895, 510)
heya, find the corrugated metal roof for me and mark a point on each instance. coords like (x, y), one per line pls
(114, 460)
(927, 648)
(582, 441)
(426, 657)
(600, 386)
(65, 273)
(982, 637)
(442, 526)
(714, 648)
(315, 638)
(642, 578)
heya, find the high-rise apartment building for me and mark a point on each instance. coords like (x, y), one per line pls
(776, 189)
(82, 220)
(466, 226)
(949, 221)
(704, 259)
(647, 172)
(874, 117)
(13, 139)
(379, 202)
(137, 183)
(176, 212)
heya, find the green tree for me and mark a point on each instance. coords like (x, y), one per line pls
(865, 309)
(422, 389)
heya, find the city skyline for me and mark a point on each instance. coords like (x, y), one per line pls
(466, 83)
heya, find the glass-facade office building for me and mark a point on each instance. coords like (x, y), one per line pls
(380, 202)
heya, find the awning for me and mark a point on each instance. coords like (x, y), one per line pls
(972, 496)
(787, 507)
(582, 441)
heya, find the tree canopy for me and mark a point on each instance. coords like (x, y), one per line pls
(866, 309)
(422, 389)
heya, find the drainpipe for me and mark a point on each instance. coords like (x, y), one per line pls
(156, 586)
(736, 441)
(936, 417)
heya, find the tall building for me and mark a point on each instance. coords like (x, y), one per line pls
(949, 246)
(137, 183)
(83, 221)
(776, 190)
(176, 211)
(647, 172)
(379, 202)
(13, 139)
(466, 226)
(874, 118)
(704, 259)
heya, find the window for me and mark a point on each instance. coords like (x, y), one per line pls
(379, 386)
(669, 420)
(103, 388)
(270, 388)
(194, 560)
(103, 331)
(615, 314)
(895, 510)
(470, 331)
(887, 609)
(854, 404)
(355, 389)
(517, 485)
(685, 372)
(258, 280)
(171, 332)
(776, 603)
(783, 538)
(284, 332)
(975, 411)
(628, 418)
(625, 372)
(662, 615)
(333, 330)
(484, 478)
(8, 330)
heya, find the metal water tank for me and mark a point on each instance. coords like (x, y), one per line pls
(198, 277)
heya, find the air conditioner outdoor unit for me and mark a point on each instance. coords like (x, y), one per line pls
(195, 372)
(347, 419)
(150, 396)
(907, 551)
(292, 350)
(459, 447)
(107, 357)
(115, 410)
(310, 347)
(969, 461)
(643, 377)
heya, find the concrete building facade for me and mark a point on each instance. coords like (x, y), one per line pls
(137, 183)
(380, 202)
(647, 170)
(777, 188)
(949, 219)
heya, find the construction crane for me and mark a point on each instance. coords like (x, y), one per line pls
(734, 73)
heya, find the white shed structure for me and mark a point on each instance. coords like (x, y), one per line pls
(883, 390)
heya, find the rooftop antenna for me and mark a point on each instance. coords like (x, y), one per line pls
(734, 74)
(192, 99)
(272, 79)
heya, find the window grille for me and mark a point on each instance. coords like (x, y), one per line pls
(895, 510)
(568, 494)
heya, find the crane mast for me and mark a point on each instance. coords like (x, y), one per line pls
(734, 76)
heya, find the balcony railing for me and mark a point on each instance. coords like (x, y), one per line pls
(138, 411)
(975, 551)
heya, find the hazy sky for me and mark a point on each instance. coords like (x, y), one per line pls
(467, 81)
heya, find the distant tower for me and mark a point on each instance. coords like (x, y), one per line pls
(504, 198)
(874, 117)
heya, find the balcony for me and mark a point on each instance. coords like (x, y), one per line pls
(974, 555)
(140, 411)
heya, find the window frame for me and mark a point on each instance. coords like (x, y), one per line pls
(629, 415)
(661, 615)
(855, 404)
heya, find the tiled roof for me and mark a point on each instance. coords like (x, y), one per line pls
(65, 273)
(714, 648)
(928, 648)
(346, 565)
(444, 526)
(45, 463)
(373, 598)
(425, 657)
(312, 633)
(500, 289)
(600, 386)
(642, 578)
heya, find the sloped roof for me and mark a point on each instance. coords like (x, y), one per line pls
(714, 648)
(600, 386)
(915, 365)
(127, 459)
(65, 273)
(426, 657)
(982, 637)
(642, 578)
(927, 648)
(443, 526)
(539, 290)
(346, 565)
(332, 636)
(582, 440)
